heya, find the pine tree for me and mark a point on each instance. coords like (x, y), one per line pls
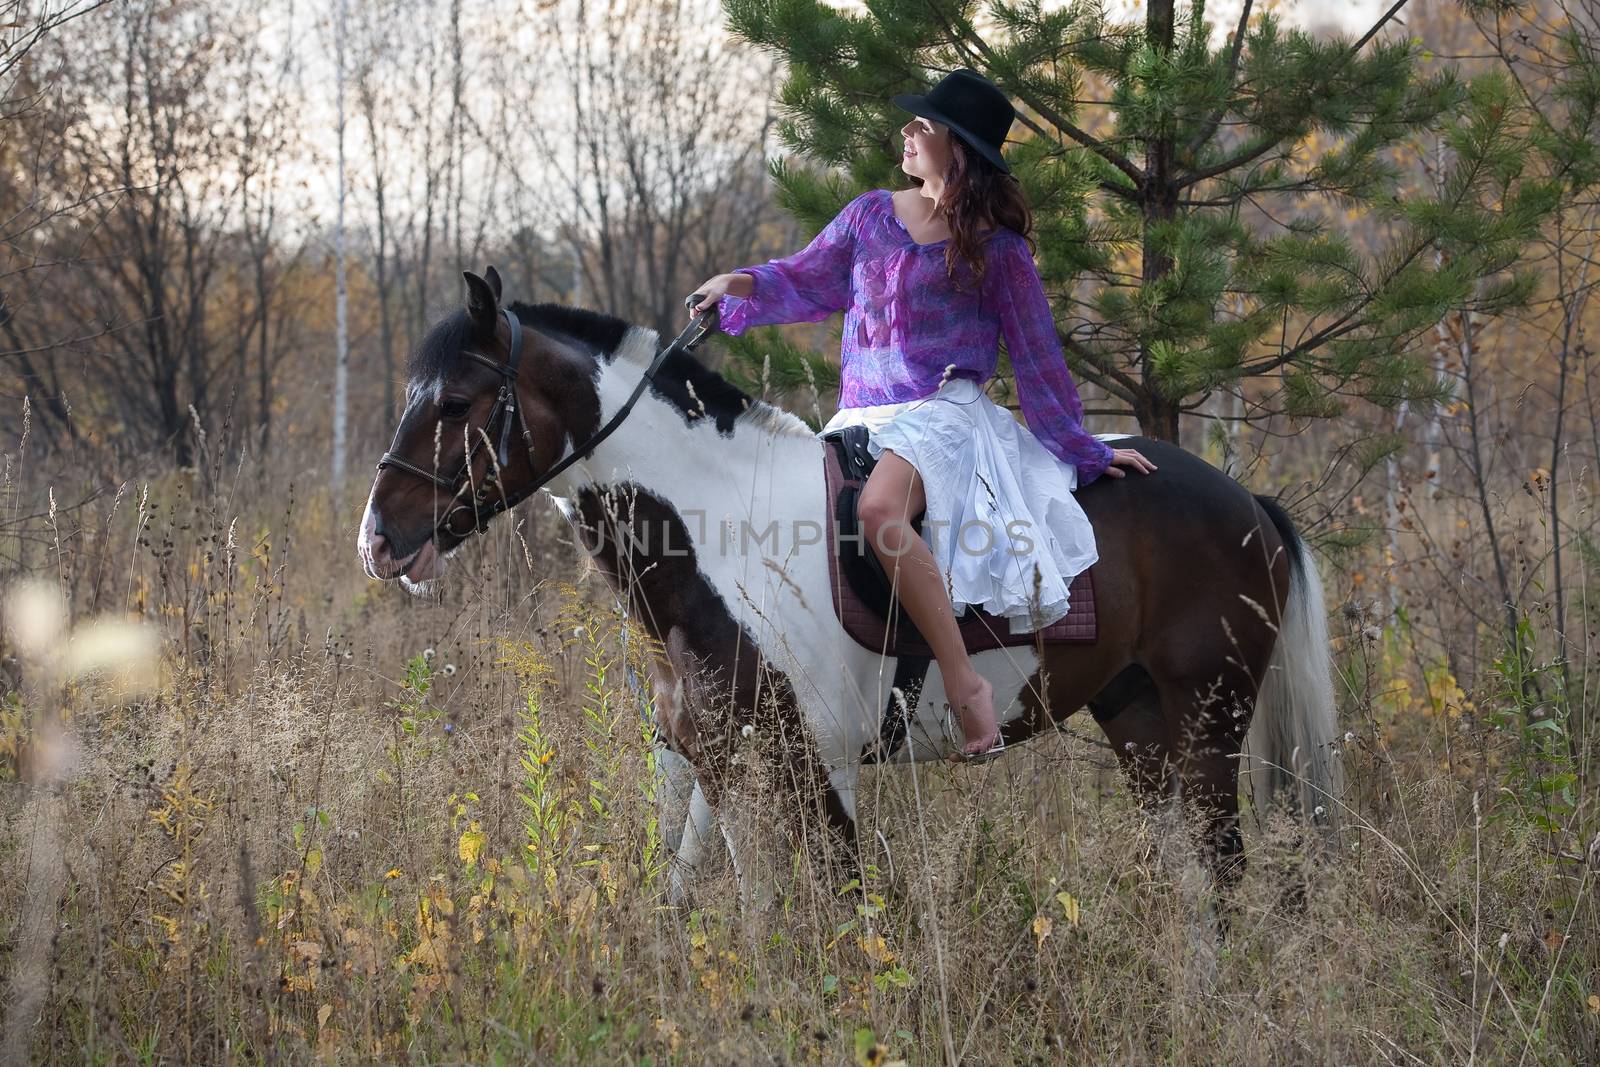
(1196, 204)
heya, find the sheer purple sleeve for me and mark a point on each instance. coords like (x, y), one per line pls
(1050, 403)
(807, 286)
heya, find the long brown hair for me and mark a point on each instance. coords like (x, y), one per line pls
(976, 193)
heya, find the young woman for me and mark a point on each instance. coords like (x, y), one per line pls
(929, 278)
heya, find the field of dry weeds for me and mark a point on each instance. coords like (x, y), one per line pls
(259, 809)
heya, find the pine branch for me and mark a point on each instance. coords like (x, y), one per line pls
(1130, 193)
(1256, 151)
(1345, 325)
(1093, 369)
(1376, 26)
(960, 33)
(1209, 130)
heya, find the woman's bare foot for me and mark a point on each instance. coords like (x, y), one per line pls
(975, 709)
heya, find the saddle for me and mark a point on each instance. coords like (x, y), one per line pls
(861, 589)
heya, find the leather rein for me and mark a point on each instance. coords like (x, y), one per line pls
(488, 498)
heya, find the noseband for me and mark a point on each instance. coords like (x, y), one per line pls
(489, 498)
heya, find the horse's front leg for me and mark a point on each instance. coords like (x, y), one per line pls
(752, 831)
(758, 769)
(683, 809)
(694, 838)
(674, 788)
(812, 815)
(732, 814)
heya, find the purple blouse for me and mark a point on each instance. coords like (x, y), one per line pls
(906, 324)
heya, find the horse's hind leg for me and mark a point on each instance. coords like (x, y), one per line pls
(1205, 731)
(1128, 710)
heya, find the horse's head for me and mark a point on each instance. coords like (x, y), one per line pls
(488, 406)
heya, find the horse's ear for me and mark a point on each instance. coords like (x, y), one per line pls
(492, 276)
(483, 303)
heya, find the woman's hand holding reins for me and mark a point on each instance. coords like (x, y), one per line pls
(1128, 457)
(719, 286)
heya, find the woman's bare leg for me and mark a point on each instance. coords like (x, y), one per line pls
(892, 497)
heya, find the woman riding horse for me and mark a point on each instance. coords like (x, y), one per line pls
(1211, 625)
(936, 283)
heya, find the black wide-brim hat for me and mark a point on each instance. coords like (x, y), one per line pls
(972, 106)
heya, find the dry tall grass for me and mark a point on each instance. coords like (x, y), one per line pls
(348, 826)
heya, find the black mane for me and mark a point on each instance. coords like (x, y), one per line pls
(440, 349)
(697, 392)
(694, 389)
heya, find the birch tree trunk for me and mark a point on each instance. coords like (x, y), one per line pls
(341, 367)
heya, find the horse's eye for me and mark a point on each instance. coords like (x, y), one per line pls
(455, 408)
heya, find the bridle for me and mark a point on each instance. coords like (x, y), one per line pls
(488, 498)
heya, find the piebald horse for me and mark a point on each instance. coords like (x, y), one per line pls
(704, 508)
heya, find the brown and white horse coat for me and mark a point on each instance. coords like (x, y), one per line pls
(704, 511)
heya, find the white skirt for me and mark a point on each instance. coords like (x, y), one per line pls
(1002, 523)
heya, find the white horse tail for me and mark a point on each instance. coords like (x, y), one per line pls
(1291, 750)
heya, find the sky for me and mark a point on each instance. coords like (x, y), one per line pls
(1349, 16)
(1346, 15)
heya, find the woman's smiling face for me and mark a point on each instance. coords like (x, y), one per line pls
(927, 148)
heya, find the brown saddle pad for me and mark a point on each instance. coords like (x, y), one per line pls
(980, 630)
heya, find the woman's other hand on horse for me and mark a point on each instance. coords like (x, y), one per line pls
(1128, 457)
(715, 288)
